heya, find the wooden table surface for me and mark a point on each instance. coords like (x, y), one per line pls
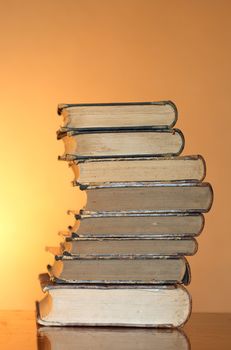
(203, 331)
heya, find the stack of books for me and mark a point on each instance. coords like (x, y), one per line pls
(123, 261)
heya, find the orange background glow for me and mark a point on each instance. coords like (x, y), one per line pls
(77, 51)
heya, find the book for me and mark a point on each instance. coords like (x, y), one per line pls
(113, 305)
(118, 143)
(149, 197)
(118, 115)
(136, 225)
(128, 246)
(93, 171)
(118, 269)
(102, 338)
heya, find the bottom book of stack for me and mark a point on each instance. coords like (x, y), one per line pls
(136, 305)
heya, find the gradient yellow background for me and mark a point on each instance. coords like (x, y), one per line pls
(74, 51)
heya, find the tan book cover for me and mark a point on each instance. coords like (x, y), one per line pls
(113, 305)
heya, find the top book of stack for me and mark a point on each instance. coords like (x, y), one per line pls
(135, 115)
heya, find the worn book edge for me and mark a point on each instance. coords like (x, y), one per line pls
(171, 183)
(133, 184)
(61, 133)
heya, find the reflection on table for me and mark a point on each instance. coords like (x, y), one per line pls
(89, 338)
(206, 331)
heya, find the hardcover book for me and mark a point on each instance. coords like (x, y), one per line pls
(120, 269)
(118, 115)
(136, 225)
(121, 143)
(119, 170)
(128, 246)
(149, 197)
(113, 305)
